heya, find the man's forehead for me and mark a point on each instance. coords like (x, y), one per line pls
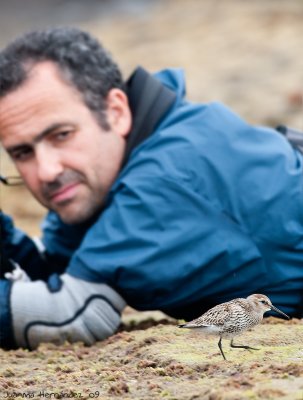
(31, 106)
(43, 72)
(39, 79)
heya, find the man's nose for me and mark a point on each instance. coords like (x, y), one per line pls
(49, 165)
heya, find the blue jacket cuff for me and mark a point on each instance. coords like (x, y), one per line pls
(7, 339)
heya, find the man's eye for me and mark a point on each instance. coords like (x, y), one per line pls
(62, 135)
(22, 155)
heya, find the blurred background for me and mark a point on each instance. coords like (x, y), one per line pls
(247, 54)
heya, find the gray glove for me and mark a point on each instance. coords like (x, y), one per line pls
(66, 309)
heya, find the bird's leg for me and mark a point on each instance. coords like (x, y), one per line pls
(220, 347)
(241, 346)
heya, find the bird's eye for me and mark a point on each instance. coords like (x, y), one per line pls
(263, 301)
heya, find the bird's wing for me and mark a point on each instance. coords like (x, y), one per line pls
(217, 315)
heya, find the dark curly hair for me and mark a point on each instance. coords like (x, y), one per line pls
(81, 59)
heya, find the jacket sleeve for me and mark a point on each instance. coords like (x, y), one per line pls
(6, 331)
(162, 244)
(17, 247)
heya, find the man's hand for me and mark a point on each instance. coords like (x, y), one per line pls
(18, 274)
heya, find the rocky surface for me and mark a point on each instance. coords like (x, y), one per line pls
(156, 360)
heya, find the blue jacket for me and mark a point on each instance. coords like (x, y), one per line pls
(208, 208)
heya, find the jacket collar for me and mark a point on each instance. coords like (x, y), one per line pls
(149, 101)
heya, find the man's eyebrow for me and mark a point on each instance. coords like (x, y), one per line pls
(39, 137)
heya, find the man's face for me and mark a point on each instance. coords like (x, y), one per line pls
(65, 158)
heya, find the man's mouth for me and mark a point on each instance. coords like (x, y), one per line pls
(64, 194)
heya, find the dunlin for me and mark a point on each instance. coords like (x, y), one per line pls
(230, 319)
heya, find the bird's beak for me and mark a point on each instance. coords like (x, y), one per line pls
(279, 311)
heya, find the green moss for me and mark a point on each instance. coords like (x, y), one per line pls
(8, 373)
(174, 363)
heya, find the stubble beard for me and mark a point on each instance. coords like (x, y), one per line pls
(79, 209)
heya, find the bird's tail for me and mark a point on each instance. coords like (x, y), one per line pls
(188, 325)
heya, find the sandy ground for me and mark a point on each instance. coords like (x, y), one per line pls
(246, 54)
(157, 360)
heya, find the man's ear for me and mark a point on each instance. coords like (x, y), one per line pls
(118, 112)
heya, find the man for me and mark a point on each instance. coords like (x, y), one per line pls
(154, 201)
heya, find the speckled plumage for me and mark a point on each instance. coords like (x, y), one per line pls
(230, 319)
